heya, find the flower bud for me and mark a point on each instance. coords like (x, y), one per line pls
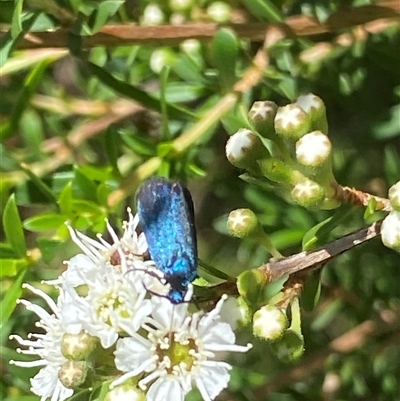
(244, 148)
(180, 5)
(190, 46)
(219, 11)
(394, 196)
(127, 391)
(289, 347)
(315, 108)
(242, 223)
(152, 15)
(291, 122)
(77, 347)
(177, 18)
(250, 284)
(262, 115)
(313, 149)
(72, 374)
(269, 322)
(307, 193)
(161, 57)
(390, 230)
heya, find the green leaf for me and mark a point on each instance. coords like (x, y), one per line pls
(137, 94)
(83, 187)
(224, 52)
(321, 233)
(193, 170)
(264, 10)
(6, 251)
(164, 149)
(272, 289)
(29, 87)
(250, 284)
(8, 43)
(392, 163)
(112, 141)
(13, 227)
(65, 199)
(16, 25)
(212, 270)
(44, 222)
(11, 267)
(389, 129)
(40, 185)
(370, 209)
(190, 71)
(104, 10)
(311, 291)
(49, 248)
(165, 132)
(138, 145)
(327, 314)
(9, 302)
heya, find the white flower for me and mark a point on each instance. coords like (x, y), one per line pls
(390, 230)
(47, 347)
(269, 322)
(239, 142)
(309, 102)
(234, 312)
(291, 121)
(244, 148)
(394, 196)
(313, 149)
(116, 280)
(152, 15)
(179, 351)
(115, 302)
(102, 293)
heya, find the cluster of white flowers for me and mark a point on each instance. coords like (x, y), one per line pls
(108, 319)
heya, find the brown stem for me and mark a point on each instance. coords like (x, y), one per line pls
(355, 197)
(295, 26)
(308, 260)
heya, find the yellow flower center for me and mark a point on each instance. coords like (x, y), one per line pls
(177, 353)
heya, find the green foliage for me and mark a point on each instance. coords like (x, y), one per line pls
(90, 108)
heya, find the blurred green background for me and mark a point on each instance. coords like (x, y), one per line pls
(94, 100)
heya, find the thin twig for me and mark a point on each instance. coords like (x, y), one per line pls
(276, 269)
(295, 26)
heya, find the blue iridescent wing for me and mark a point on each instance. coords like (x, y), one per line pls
(166, 216)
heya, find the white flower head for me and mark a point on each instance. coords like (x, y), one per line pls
(47, 347)
(107, 298)
(114, 303)
(313, 149)
(390, 230)
(152, 15)
(291, 121)
(269, 322)
(244, 148)
(308, 102)
(131, 247)
(394, 196)
(116, 279)
(102, 294)
(178, 352)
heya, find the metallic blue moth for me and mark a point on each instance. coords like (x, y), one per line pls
(166, 215)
